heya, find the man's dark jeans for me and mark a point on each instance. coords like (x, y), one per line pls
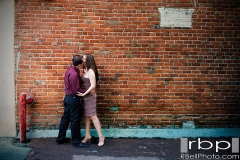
(72, 114)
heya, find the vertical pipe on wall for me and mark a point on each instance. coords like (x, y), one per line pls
(22, 117)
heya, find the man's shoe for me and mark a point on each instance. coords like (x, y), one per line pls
(81, 145)
(62, 142)
(59, 143)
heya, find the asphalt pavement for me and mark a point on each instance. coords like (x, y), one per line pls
(113, 149)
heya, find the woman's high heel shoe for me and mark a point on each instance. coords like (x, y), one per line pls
(85, 140)
(101, 143)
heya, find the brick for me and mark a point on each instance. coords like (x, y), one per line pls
(193, 70)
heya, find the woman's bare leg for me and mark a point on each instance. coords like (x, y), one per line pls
(97, 125)
(87, 129)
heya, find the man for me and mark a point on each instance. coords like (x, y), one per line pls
(72, 105)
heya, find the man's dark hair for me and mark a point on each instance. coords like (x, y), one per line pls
(77, 60)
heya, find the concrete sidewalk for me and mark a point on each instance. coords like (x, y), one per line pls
(8, 151)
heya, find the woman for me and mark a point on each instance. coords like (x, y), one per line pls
(88, 82)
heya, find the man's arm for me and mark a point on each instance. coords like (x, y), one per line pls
(75, 84)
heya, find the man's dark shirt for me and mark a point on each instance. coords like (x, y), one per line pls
(72, 81)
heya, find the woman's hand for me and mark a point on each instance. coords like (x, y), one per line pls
(92, 92)
(80, 94)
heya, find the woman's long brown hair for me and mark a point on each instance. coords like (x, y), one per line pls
(90, 64)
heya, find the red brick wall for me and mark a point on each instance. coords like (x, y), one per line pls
(149, 76)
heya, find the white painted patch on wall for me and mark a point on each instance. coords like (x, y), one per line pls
(175, 17)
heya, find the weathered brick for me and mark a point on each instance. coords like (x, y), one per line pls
(145, 70)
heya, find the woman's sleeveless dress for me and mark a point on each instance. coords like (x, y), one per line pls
(89, 101)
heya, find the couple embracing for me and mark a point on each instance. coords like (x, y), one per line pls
(80, 97)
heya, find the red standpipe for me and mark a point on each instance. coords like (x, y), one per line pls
(22, 115)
